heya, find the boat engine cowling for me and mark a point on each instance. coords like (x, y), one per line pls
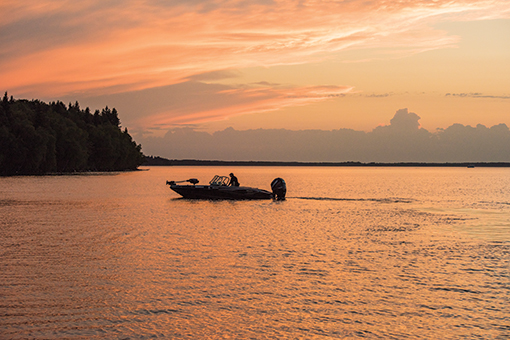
(279, 188)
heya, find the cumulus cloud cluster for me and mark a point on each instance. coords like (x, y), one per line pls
(403, 140)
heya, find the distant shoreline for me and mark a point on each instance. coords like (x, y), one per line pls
(159, 161)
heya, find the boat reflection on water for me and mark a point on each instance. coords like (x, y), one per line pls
(219, 188)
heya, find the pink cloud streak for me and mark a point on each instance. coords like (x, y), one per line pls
(56, 48)
(246, 101)
(111, 45)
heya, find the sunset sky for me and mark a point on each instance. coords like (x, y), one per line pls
(213, 64)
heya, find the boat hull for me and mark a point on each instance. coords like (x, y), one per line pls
(211, 192)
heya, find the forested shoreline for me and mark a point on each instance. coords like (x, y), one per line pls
(160, 161)
(40, 138)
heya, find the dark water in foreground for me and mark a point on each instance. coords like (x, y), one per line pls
(421, 253)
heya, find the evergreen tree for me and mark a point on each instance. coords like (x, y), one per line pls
(37, 138)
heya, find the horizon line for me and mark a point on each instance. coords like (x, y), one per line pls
(160, 161)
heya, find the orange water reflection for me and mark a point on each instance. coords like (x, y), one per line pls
(376, 253)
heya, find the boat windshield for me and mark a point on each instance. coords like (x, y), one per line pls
(219, 180)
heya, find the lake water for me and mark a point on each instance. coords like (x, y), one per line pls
(392, 253)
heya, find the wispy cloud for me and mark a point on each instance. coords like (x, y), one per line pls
(477, 95)
(60, 46)
(378, 95)
(192, 102)
(163, 63)
(220, 102)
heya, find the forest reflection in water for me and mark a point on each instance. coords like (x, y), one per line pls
(352, 253)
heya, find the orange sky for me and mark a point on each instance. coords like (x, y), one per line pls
(262, 63)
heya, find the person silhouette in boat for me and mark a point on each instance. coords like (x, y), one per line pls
(233, 180)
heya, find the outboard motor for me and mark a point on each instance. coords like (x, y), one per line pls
(279, 188)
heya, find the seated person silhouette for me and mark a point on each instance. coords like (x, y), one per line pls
(233, 180)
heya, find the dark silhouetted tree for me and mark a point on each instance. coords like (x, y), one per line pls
(37, 138)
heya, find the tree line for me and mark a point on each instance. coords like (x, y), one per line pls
(40, 138)
(160, 161)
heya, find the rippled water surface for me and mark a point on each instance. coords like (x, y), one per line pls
(352, 253)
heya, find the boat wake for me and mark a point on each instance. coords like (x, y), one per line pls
(380, 200)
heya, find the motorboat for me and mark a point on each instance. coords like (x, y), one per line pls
(219, 188)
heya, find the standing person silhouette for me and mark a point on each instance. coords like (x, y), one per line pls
(233, 180)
